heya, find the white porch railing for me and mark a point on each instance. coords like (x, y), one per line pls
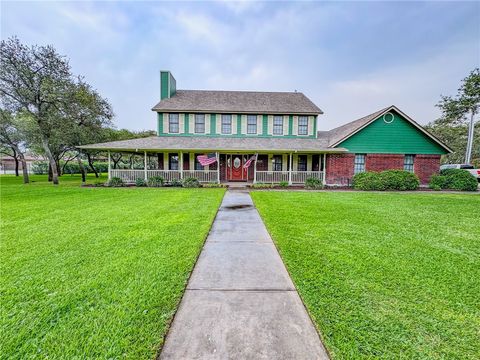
(272, 176)
(298, 177)
(130, 176)
(201, 175)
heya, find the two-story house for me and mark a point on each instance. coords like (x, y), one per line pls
(280, 130)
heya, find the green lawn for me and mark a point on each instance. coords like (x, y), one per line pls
(384, 275)
(95, 272)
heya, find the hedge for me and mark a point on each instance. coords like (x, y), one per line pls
(386, 180)
(41, 167)
(454, 179)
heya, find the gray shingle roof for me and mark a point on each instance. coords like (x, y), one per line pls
(238, 102)
(342, 132)
(206, 143)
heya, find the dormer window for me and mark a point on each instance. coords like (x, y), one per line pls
(199, 123)
(226, 124)
(302, 125)
(173, 126)
(278, 125)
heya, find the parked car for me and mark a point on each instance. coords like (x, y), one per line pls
(468, 167)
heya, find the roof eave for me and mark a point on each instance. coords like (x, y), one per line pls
(210, 111)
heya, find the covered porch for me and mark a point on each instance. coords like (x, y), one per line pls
(292, 168)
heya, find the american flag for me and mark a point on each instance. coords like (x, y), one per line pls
(208, 159)
(249, 161)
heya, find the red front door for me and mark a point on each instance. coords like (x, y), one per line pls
(235, 170)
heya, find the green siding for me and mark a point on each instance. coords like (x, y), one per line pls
(239, 124)
(290, 125)
(187, 123)
(164, 91)
(398, 137)
(160, 123)
(213, 124)
(265, 125)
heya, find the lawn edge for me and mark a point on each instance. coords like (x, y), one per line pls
(319, 333)
(177, 305)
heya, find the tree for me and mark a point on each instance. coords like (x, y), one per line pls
(12, 138)
(37, 80)
(463, 108)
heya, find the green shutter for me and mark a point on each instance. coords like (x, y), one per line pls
(290, 125)
(315, 126)
(187, 123)
(160, 123)
(265, 125)
(213, 124)
(239, 124)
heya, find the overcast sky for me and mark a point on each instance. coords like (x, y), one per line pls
(350, 58)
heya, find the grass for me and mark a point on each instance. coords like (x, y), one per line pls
(383, 275)
(95, 272)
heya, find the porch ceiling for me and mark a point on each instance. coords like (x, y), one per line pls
(223, 144)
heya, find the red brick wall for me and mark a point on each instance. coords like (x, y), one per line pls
(339, 169)
(340, 166)
(425, 166)
(380, 162)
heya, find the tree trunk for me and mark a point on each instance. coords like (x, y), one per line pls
(59, 169)
(51, 161)
(115, 162)
(26, 179)
(82, 169)
(50, 173)
(16, 165)
(90, 165)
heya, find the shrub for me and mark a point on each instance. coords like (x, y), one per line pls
(399, 180)
(283, 184)
(454, 179)
(115, 182)
(386, 180)
(260, 185)
(40, 168)
(190, 182)
(176, 183)
(213, 185)
(155, 181)
(313, 183)
(437, 182)
(140, 183)
(367, 181)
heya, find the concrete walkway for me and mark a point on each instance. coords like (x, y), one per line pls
(240, 302)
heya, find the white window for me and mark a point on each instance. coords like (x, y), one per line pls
(408, 162)
(226, 124)
(251, 124)
(302, 163)
(199, 123)
(359, 164)
(277, 125)
(173, 126)
(302, 125)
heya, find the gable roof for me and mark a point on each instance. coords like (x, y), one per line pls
(244, 102)
(342, 133)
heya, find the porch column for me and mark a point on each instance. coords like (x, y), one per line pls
(180, 161)
(290, 170)
(255, 170)
(109, 167)
(324, 167)
(218, 167)
(145, 164)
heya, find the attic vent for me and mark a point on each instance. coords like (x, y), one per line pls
(388, 118)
